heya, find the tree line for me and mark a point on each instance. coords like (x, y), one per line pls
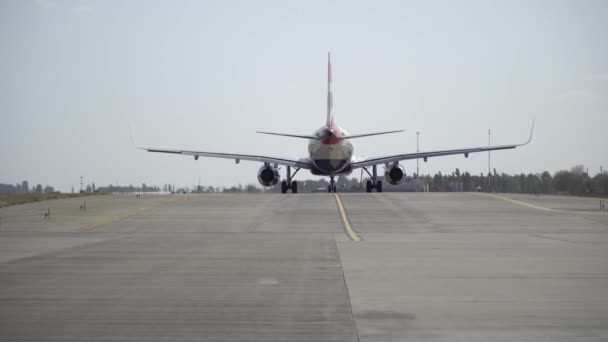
(24, 188)
(574, 181)
(130, 188)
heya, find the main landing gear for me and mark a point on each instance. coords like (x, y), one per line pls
(289, 184)
(332, 184)
(373, 182)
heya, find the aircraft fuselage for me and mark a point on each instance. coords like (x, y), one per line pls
(331, 154)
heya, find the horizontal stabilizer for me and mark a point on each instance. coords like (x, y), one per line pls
(291, 135)
(370, 134)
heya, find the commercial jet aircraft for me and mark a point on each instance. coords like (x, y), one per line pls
(330, 153)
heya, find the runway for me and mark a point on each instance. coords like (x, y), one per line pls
(305, 267)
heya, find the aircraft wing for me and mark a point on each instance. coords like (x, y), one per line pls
(424, 155)
(302, 163)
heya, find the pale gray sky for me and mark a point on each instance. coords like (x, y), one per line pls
(205, 75)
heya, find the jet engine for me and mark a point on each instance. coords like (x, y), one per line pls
(394, 174)
(268, 175)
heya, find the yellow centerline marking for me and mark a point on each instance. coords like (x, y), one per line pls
(122, 216)
(349, 230)
(533, 206)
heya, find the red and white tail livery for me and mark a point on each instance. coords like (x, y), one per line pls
(330, 99)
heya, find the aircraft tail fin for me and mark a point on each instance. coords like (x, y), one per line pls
(330, 118)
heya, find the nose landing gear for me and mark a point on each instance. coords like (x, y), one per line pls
(332, 184)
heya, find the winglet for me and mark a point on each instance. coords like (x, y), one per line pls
(531, 132)
(131, 136)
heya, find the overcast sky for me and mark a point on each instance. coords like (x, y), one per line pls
(206, 75)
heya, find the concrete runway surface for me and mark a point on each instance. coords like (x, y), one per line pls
(271, 267)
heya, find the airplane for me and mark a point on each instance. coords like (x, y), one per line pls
(330, 153)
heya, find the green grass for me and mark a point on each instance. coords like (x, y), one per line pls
(7, 200)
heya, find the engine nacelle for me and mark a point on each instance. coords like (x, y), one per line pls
(394, 174)
(268, 175)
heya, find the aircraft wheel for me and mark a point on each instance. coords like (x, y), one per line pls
(329, 188)
(379, 186)
(294, 187)
(283, 187)
(368, 186)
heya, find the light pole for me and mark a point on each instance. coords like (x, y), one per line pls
(417, 159)
(81, 183)
(417, 150)
(489, 184)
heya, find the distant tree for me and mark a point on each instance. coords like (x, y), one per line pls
(341, 182)
(600, 183)
(438, 182)
(429, 181)
(48, 189)
(577, 170)
(546, 183)
(38, 189)
(355, 184)
(511, 183)
(482, 182)
(250, 188)
(25, 185)
(7, 189)
(467, 183)
(522, 182)
(533, 184)
(588, 184)
(20, 190)
(568, 181)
